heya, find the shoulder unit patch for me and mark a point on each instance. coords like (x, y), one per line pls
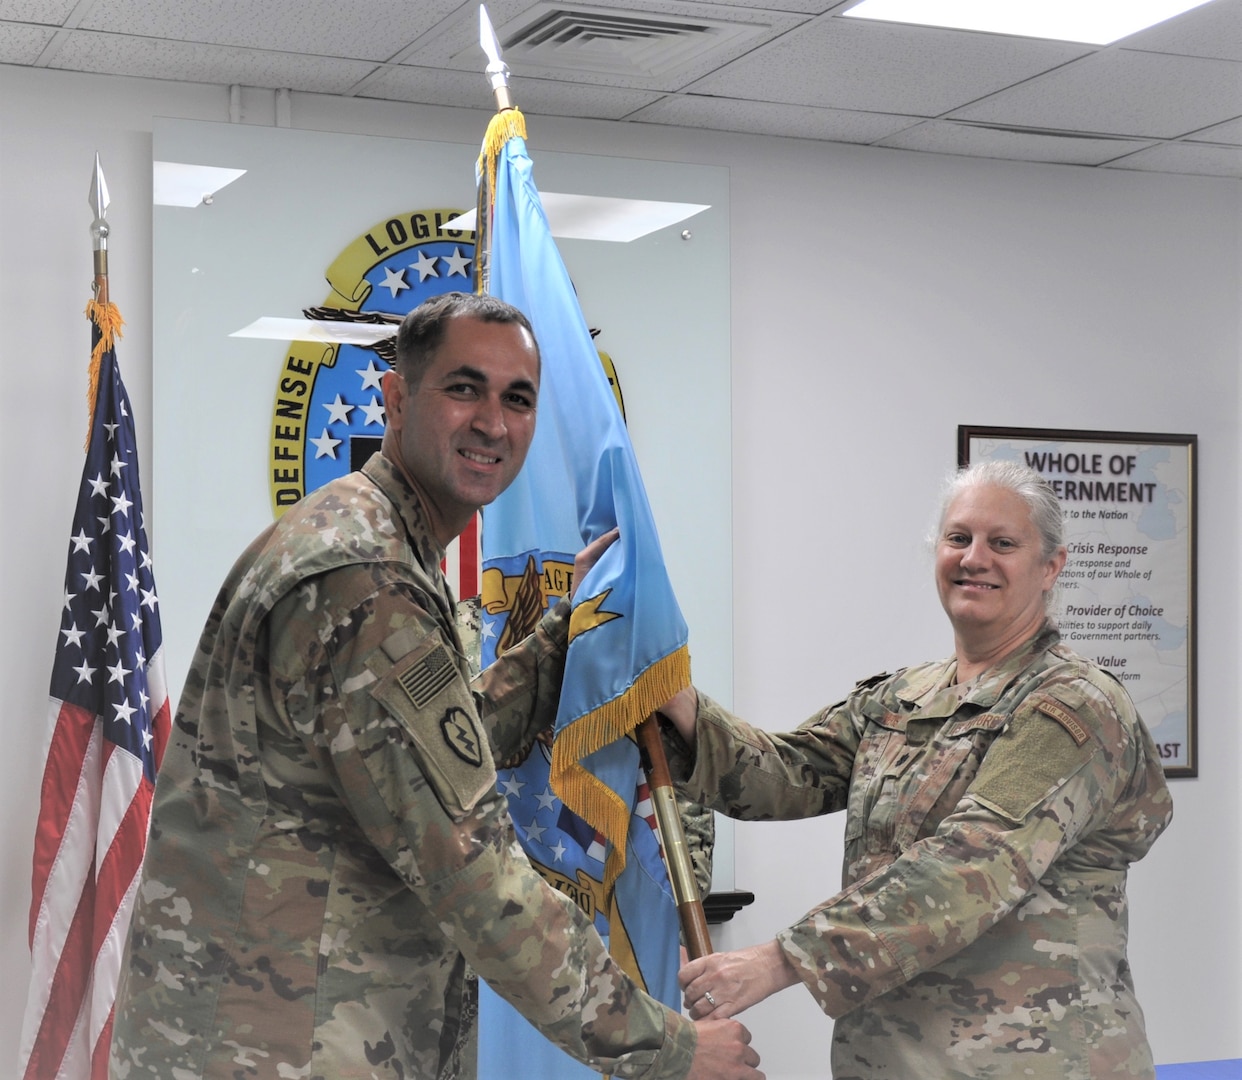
(462, 735)
(1064, 717)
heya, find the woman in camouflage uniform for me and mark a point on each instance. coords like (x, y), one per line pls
(994, 801)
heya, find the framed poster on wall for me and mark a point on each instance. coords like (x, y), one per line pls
(1127, 593)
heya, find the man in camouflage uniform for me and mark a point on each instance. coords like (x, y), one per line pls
(328, 851)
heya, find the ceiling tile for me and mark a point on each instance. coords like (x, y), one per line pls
(23, 44)
(454, 44)
(375, 30)
(548, 98)
(1213, 30)
(152, 58)
(1147, 95)
(1230, 132)
(1187, 158)
(805, 7)
(48, 12)
(850, 64)
(947, 137)
(433, 86)
(813, 75)
(765, 118)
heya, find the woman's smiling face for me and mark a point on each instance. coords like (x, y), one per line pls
(991, 572)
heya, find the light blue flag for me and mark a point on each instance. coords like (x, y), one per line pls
(581, 810)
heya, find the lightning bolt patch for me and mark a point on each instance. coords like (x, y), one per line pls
(459, 731)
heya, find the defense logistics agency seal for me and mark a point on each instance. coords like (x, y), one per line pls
(329, 413)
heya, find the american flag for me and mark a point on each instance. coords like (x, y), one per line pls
(463, 562)
(109, 721)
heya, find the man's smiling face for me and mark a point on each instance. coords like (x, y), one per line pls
(463, 432)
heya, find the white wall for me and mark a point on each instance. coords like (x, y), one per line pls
(880, 298)
(948, 291)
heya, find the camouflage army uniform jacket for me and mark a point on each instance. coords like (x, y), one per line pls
(328, 850)
(981, 928)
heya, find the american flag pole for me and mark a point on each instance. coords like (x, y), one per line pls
(109, 720)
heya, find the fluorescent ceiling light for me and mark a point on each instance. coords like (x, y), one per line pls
(1095, 22)
(178, 184)
(594, 217)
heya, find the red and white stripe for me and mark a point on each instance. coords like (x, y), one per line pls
(95, 808)
(598, 847)
(463, 562)
(645, 809)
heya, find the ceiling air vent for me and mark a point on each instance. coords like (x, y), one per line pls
(633, 43)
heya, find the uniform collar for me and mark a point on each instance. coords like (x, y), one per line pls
(408, 506)
(934, 692)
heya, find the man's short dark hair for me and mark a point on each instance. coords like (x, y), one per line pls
(423, 329)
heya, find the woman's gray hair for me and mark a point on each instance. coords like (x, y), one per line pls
(1046, 513)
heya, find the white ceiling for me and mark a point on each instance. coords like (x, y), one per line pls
(1167, 99)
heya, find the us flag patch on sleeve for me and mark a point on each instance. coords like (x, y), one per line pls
(424, 680)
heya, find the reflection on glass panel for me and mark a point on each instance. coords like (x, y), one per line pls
(349, 222)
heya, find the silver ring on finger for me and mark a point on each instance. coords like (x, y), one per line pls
(710, 1000)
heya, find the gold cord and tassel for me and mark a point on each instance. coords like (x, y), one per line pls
(108, 319)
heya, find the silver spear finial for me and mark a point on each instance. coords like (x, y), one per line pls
(99, 200)
(99, 203)
(497, 70)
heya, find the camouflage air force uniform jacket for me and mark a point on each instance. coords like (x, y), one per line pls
(328, 850)
(981, 930)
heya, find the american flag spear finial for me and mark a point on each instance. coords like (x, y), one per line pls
(99, 200)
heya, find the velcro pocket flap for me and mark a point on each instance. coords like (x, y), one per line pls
(424, 691)
(1033, 756)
